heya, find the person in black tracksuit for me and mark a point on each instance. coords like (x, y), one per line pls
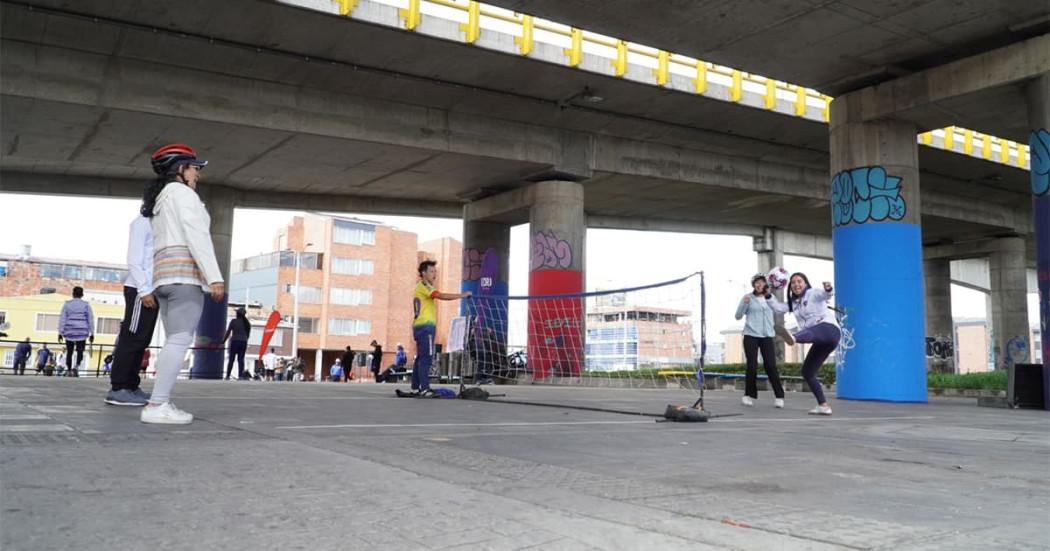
(348, 364)
(377, 359)
(140, 318)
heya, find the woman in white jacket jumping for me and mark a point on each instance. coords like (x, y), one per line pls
(184, 268)
(817, 326)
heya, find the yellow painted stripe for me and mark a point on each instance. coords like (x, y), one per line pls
(525, 42)
(701, 77)
(800, 101)
(771, 94)
(575, 53)
(472, 28)
(662, 70)
(736, 91)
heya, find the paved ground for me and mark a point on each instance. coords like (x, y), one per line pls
(329, 466)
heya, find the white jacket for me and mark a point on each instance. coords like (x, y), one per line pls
(812, 308)
(180, 220)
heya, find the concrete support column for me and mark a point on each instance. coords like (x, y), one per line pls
(940, 330)
(877, 240)
(770, 249)
(318, 364)
(1038, 97)
(208, 356)
(486, 272)
(1009, 294)
(558, 228)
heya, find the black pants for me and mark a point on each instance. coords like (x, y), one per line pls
(72, 371)
(769, 361)
(20, 367)
(237, 350)
(136, 332)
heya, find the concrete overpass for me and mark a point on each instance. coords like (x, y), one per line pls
(301, 109)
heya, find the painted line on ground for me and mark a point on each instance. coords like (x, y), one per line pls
(34, 428)
(423, 425)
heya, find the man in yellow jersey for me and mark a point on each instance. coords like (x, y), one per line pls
(424, 324)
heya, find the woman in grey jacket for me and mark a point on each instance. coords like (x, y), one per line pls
(759, 306)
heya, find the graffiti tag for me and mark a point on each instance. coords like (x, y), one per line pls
(548, 251)
(940, 348)
(1016, 351)
(471, 264)
(1039, 148)
(866, 194)
(846, 342)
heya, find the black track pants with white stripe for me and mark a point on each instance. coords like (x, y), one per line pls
(136, 331)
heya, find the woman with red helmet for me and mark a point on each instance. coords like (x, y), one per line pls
(184, 268)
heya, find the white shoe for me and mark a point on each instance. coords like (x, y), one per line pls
(165, 414)
(820, 410)
(778, 403)
(747, 401)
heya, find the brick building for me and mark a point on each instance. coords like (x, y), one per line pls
(24, 274)
(356, 284)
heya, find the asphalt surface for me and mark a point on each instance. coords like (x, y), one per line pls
(348, 466)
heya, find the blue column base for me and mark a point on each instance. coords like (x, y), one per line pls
(208, 352)
(879, 284)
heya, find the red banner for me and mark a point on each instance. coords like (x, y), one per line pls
(555, 339)
(271, 326)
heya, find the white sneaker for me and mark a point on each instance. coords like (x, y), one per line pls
(165, 414)
(778, 403)
(820, 410)
(747, 401)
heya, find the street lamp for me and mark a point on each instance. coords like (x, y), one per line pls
(295, 310)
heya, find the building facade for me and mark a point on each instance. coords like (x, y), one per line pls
(356, 280)
(624, 337)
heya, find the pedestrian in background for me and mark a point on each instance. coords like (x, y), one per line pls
(76, 324)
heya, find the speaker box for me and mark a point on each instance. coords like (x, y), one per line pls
(1024, 387)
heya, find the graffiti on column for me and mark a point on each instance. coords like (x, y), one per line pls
(940, 348)
(846, 342)
(471, 264)
(866, 194)
(1016, 351)
(550, 252)
(1039, 148)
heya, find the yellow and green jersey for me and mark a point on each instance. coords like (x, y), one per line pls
(423, 304)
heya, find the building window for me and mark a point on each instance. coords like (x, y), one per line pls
(3, 318)
(47, 322)
(107, 326)
(352, 266)
(349, 327)
(309, 325)
(352, 233)
(3, 268)
(275, 341)
(307, 295)
(9, 358)
(351, 297)
(53, 271)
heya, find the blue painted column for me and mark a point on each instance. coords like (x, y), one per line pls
(486, 271)
(1038, 96)
(208, 345)
(877, 239)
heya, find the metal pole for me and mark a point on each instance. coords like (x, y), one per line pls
(295, 315)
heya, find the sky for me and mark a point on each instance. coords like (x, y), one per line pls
(615, 258)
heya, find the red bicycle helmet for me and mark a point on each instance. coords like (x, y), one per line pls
(167, 159)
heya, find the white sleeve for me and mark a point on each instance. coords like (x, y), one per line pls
(139, 266)
(777, 306)
(196, 230)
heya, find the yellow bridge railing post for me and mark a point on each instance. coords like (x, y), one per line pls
(1004, 150)
(800, 101)
(736, 91)
(986, 146)
(472, 28)
(412, 15)
(771, 94)
(525, 42)
(575, 52)
(346, 6)
(620, 63)
(662, 70)
(701, 77)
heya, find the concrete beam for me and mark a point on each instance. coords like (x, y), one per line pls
(1004, 66)
(801, 244)
(86, 186)
(673, 226)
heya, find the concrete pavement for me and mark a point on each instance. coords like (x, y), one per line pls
(331, 466)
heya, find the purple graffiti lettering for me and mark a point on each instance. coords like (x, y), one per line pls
(548, 251)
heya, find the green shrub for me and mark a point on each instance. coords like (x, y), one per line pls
(991, 380)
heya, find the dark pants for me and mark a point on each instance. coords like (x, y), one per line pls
(424, 337)
(71, 371)
(136, 332)
(20, 367)
(237, 350)
(769, 361)
(824, 338)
